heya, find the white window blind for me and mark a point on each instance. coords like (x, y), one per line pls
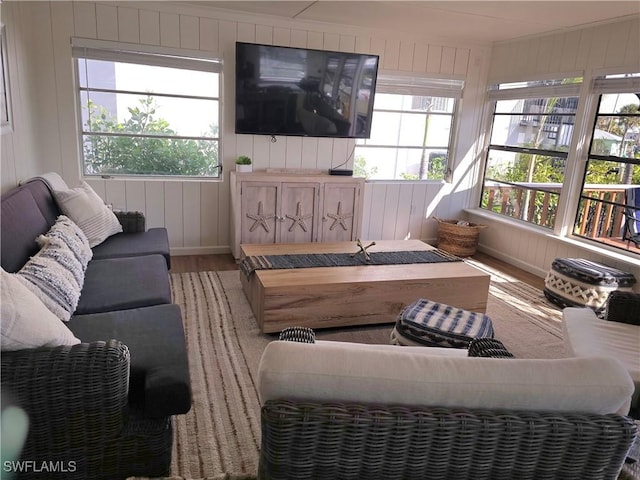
(616, 84)
(420, 86)
(570, 90)
(162, 57)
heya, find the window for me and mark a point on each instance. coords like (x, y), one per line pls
(411, 132)
(5, 105)
(531, 132)
(148, 114)
(609, 207)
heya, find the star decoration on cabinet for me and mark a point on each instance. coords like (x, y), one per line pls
(339, 218)
(260, 219)
(299, 218)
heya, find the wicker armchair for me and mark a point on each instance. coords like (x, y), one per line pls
(330, 441)
(306, 435)
(79, 420)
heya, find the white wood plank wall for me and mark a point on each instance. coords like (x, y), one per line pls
(196, 213)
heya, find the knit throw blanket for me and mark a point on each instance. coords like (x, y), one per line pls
(269, 262)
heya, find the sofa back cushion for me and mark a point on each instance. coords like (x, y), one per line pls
(26, 212)
(338, 372)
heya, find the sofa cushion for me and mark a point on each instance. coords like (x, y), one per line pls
(121, 283)
(55, 276)
(153, 241)
(336, 372)
(21, 222)
(159, 384)
(88, 211)
(26, 322)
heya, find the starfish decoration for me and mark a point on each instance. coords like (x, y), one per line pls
(339, 218)
(299, 218)
(260, 219)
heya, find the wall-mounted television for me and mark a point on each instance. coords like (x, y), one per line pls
(300, 91)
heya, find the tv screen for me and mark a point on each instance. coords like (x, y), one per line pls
(299, 91)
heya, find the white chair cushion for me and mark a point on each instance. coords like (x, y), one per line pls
(587, 335)
(340, 372)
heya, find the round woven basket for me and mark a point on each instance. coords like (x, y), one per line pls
(460, 240)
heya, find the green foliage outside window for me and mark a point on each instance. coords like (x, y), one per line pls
(146, 146)
(360, 168)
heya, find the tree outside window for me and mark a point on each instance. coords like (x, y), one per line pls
(148, 115)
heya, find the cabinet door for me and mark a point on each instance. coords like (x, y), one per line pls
(339, 212)
(258, 222)
(299, 212)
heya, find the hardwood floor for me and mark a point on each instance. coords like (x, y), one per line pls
(202, 263)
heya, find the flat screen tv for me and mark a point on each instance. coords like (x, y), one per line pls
(299, 91)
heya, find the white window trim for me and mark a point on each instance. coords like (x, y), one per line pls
(431, 85)
(576, 159)
(140, 53)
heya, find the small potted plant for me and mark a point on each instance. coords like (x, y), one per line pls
(243, 164)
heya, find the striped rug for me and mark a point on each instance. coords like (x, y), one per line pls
(219, 438)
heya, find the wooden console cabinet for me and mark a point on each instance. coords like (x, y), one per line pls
(291, 208)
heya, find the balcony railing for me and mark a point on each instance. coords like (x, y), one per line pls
(601, 215)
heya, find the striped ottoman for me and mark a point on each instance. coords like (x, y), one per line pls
(438, 325)
(576, 282)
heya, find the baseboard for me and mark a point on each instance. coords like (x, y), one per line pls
(527, 267)
(213, 250)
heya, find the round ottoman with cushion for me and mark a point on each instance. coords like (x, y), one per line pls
(439, 325)
(577, 282)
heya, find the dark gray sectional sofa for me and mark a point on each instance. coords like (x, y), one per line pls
(104, 406)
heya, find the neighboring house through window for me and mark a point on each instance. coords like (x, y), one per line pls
(531, 132)
(412, 129)
(147, 113)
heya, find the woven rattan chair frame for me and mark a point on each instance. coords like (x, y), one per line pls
(132, 222)
(316, 441)
(623, 307)
(79, 417)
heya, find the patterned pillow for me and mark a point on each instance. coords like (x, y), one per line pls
(26, 322)
(72, 236)
(56, 277)
(488, 347)
(88, 211)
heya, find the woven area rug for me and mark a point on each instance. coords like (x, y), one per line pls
(219, 438)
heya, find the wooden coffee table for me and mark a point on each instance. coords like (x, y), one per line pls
(361, 295)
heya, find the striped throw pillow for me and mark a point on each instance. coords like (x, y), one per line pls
(56, 277)
(88, 211)
(66, 231)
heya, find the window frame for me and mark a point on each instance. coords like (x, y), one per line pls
(151, 56)
(449, 87)
(602, 84)
(6, 116)
(521, 90)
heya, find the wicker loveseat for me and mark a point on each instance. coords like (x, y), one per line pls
(102, 408)
(339, 410)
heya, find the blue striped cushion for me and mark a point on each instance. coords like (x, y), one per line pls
(436, 324)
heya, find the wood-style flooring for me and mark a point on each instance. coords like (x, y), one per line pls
(202, 263)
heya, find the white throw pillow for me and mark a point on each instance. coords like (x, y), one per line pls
(26, 322)
(71, 235)
(56, 277)
(88, 211)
